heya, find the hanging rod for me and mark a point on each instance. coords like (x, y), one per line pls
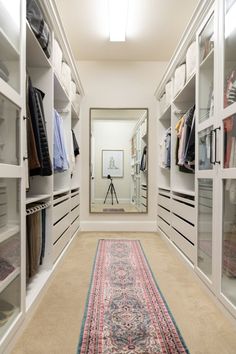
(179, 112)
(36, 208)
(62, 111)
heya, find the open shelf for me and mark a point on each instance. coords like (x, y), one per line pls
(4, 283)
(60, 93)
(35, 54)
(74, 114)
(207, 62)
(8, 231)
(187, 94)
(60, 191)
(166, 115)
(36, 198)
(8, 50)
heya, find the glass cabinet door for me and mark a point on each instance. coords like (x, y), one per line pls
(206, 71)
(230, 53)
(9, 132)
(228, 287)
(205, 153)
(10, 38)
(205, 215)
(10, 251)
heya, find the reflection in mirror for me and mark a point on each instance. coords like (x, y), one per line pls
(118, 160)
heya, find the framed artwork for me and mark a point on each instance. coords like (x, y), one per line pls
(113, 163)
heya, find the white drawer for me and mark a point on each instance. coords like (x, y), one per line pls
(164, 227)
(74, 214)
(164, 201)
(74, 227)
(165, 214)
(74, 201)
(185, 246)
(60, 210)
(3, 198)
(61, 244)
(184, 228)
(185, 211)
(3, 220)
(3, 209)
(60, 227)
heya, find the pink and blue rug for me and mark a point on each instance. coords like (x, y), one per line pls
(125, 311)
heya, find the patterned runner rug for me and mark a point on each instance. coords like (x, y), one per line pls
(125, 311)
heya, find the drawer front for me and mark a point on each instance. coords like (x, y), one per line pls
(3, 220)
(184, 228)
(74, 201)
(165, 214)
(59, 246)
(3, 209)
(74, 227)
(186, 247)
(3, 198)
(163, 201)
(60, 210)
(185, 211)
(60, 227)
(163, 226)
(74, 214)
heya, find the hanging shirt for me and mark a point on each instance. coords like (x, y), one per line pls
(60, 158)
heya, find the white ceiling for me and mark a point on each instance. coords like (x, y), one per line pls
(154, 29)
(116, 114)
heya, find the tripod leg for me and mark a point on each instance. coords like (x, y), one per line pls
(113, 188)
(107, 194)
(111, 194)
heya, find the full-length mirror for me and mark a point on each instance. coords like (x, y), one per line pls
(118, 160)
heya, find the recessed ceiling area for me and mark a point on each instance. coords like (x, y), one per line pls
(153, 32)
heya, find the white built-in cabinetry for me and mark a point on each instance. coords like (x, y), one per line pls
(196, 212)
(59, 193)
(139, 182)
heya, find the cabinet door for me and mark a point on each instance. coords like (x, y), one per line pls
(10, 252)
(205, 149)
(10, 42)
(206, 71)
(229, 67)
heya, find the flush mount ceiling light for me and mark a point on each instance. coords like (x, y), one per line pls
(118, 13)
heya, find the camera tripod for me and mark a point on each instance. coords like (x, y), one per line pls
(112, 190)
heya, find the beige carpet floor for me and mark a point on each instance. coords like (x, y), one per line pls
(55, 327)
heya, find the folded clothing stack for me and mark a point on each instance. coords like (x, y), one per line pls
(4, 73)
(179, 78)
(57, 57)
(76, 102)
(66, 76)
(72, 90)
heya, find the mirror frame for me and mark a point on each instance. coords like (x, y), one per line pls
(90, 154)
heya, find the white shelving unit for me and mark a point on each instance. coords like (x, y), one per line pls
(196, 212)
(59, 193)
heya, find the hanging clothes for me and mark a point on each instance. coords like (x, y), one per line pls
(60, 157)
(40, 162)
(185, 143)
(75, 144)
(143, 165)
(165, 149)
(35, 241)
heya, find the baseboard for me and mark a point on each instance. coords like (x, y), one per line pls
(108, 201)
(129, 226)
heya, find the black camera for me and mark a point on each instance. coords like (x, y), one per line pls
(109, 176)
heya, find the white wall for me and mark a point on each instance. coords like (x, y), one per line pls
(112, 135)
(119, 85)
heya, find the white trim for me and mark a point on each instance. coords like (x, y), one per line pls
(120, 225)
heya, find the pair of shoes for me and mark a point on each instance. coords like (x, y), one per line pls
(6, 310)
